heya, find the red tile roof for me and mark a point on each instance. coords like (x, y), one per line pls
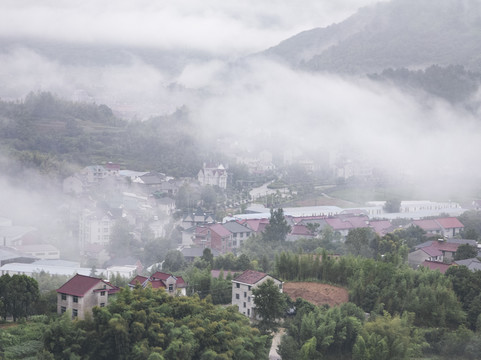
(427, 225)
(450, 223)
(220, 230)
(250, 277)
(300, 230)
(435, 265)
(180, 282)
(160, 275)
(79, 285)
(338, 224)
(138, 279)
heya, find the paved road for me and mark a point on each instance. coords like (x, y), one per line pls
(273, 355)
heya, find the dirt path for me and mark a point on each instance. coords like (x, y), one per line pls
(273, 355)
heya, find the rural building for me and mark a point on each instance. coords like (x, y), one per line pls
(242, 287)
(81, 293)
(174, 285)
(213, 175)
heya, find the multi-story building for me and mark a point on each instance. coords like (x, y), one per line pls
(242, 287)
(174, 285)
(81, 293)
(213, 175)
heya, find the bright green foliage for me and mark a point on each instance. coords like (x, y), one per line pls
(387, 338)
(22, 341)
(150, 324)
(316, 331)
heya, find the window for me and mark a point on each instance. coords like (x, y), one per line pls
(75, 299)
(248, 312)
(74, 312)
(64, 296)
(245, 305)
(63, 309)
(102, 293)
(248, 299)
(237, 296)
(245, 294)
(102, 304)
(249, 288)
(171, 287)
(237, 285)
(280, 286)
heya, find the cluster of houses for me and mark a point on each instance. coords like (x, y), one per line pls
(202, 231)
(82, 293)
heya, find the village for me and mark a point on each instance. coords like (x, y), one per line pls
(105, 195)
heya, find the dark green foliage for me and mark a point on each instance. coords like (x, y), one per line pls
(453, 83)
(466, 251)
(149, 324)
(18, 296)
(277, 229)
(472, 224)
(270, 304)
(467, 286)
(392, 205)
(47, 133)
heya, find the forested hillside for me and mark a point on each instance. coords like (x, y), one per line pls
(398, 33)
(58, 137)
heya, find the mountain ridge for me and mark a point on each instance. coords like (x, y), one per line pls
(400, 33)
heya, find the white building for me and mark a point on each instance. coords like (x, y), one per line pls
(213, 175)
(242, 287)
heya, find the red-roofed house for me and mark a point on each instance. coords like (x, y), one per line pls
(436, 265)
(81, 293)
(299, 231)
(436, 250)
(242, 287)
(446, 227)
(174, 285)
(214, 236)
(381, 227)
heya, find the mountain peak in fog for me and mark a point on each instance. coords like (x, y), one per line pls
(400, 33)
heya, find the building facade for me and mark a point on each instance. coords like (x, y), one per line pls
(242, 287)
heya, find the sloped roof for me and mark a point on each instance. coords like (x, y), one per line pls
(300, 230)
(220, 230)
(235, 227)
(435, 265)
(180, 282)
(250, 277)
(471, 264)
(138, 279)
(79, 285)
(160, 275)
(450, 223)
(338, 224)
(381, 227)
(427, 224)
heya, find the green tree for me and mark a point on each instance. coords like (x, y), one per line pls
(465, 251)
(270, 304)
(278, 228)
(392, 206)
(174, 261)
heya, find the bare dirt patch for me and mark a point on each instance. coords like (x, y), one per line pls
(316, 293)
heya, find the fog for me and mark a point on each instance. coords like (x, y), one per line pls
(259, 103)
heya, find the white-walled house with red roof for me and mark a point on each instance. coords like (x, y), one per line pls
(174, 285)
(242, 287)
(81, 293)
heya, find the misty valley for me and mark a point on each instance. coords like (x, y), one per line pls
(240, 180)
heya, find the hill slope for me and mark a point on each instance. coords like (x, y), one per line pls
(400, 33)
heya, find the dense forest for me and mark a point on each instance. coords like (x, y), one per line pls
(58, 137)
